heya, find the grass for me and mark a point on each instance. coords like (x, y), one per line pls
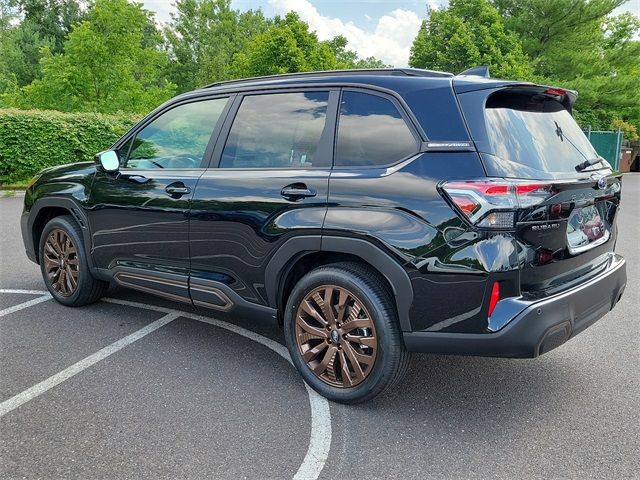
(21, 185)
(9, 189)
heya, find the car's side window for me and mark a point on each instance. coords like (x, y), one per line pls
(371, 132)
(176, 139)
(280, 130)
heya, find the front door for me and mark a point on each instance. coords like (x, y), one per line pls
(271, 174)
(138, 216)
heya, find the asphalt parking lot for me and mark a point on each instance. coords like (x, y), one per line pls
(138, 387)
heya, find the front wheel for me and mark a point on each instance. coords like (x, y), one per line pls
(342, 332)
(64, 265)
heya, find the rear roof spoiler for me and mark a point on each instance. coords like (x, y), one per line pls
(464, 84)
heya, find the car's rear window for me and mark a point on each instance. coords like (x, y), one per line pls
(532, 134)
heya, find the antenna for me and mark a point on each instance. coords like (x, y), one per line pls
(482, 71)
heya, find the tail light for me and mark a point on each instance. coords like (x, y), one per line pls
(555, 92)
(492, 204)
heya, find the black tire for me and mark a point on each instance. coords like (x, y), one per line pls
(391, 359)
(88, 289)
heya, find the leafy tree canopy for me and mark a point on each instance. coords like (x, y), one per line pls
(51, 19)
(111, 62)
(466, 34)
(109, 56)
(42, 23)
(288, 46)
(579, 45)
(203, 37)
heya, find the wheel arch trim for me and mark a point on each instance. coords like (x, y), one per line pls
(295, 248)
(74, 209)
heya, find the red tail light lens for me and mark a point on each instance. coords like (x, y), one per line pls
(556, 92)
(495, 297)
(467, 205)
(492, 204)
(528, 188)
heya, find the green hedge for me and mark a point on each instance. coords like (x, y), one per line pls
(31, 140)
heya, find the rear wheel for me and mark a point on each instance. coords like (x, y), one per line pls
(64, 265)
(342, 332)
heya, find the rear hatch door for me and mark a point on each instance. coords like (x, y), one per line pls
(568, 196)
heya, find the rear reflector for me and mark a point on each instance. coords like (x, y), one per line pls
(495, 296)
(544, 256)
(465, 204)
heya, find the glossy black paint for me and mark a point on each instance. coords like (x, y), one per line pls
(239, 219)
(229, 242)
(133, 219)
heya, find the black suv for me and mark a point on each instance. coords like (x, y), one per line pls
(370, 213)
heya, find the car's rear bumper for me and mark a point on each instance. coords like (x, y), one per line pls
(541, 326)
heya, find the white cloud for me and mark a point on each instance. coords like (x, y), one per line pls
(390, 41)
(162, 9)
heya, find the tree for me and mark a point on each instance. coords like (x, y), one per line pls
(203, 37)
(610, 89)
(51, 19)
(466, 34)
(8, 13)
(579, 45)
(289, 46)
(42, 23)
(348, 58)
(111, 62)
(542, 24)
(20, 52)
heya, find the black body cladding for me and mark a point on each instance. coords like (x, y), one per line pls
(234, 226)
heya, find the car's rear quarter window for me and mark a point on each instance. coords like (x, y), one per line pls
(371, 132)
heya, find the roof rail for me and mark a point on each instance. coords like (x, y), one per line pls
(409, 72)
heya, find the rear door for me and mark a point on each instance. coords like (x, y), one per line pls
(267, 182)
(567, 197)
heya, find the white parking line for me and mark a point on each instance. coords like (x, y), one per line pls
(49, 383)
(26, 292)
(320, 439)
(28, 304)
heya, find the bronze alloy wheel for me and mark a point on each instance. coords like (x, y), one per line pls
(61, 262)
(336, 336)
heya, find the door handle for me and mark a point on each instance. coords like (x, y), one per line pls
(136, 178)
(177, 189)
(297, 191)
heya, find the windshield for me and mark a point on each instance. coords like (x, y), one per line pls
(532, 134)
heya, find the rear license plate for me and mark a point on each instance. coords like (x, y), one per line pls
(585, 229)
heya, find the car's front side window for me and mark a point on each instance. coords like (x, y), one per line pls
(281, 130)
(176, 139)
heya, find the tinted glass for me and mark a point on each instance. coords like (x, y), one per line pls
(532, 135)
(176, 139)
(277, 131)
(371, 131)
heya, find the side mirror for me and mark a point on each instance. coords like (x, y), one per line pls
(108, 161)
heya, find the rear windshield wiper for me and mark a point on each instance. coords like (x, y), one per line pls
(588, 163)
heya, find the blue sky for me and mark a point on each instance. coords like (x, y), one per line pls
(384, 29)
